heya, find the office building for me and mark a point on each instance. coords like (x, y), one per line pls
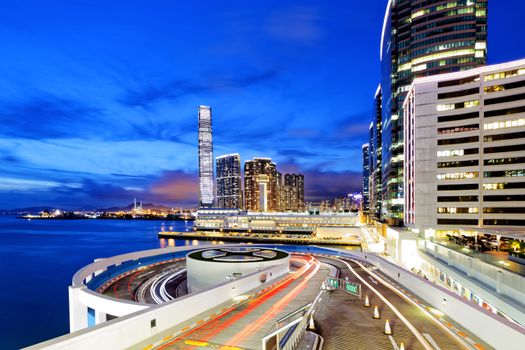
(375, 159)
(421, 38)
(293, 192)
(260, 185)
(206, 188)
(465, 150)
(229, 184)
(366, 178)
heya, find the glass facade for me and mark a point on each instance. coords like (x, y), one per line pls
(228, 173)
(375, 182)
(366, 178)
(421, 38)
(261, 185)
(206, 188)
(293, 192)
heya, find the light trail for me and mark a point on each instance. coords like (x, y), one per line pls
(252, 304)
(275, 309)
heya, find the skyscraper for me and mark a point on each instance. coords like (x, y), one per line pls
(375, 158)
(421, 38)
(293, 192)
(206, 189)
(229, 191)
(260, 185)
(366, 178)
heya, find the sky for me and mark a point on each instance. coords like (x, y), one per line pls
(99, 99)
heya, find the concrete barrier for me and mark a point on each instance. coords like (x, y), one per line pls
(495, 331)
(133, 329)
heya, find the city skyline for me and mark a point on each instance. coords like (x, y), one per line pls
(117, 127)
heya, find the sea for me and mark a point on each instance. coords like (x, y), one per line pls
(39, 257)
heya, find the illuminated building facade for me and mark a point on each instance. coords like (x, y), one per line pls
(465, 149)
(366, 178)
(260, 185)
(293, 192)
(375, 183)
(421, 38)
(229, 184)
(206, 188)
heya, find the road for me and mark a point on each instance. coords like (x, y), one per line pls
(245, 326)
(153, 284)
(340, 318)
(354, 325)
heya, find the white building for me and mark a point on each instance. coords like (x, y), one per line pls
(465, 149)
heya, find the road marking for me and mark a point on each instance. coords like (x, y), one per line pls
(394, 345)
(403, 319)
(431, 341)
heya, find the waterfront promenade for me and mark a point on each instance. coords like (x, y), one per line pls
(354, 239)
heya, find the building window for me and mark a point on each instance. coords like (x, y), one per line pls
(464, 163)
(504, 99)
(506, 173)
(505, 198)
(501, 149)
(458, 176)
(514, 210)
(456, 117)
(446, 210)
(458, 187)
(505, 124)
(458, 199)
(506, 111)
(512, 160)
(458, 93)
(503, 222)
(457, 221)
(458, 141)
(456, 129)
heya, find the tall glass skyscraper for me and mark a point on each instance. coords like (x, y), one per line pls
(366, 178)
(421, 38)
(375, 157)
(229, 191)
(206, 189)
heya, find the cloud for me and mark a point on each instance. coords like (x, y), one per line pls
(177, 187)
(46, 116)
(321, 185)
(146, 96)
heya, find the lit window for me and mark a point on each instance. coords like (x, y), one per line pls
(447, 107)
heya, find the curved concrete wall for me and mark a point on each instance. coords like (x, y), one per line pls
(203, 275)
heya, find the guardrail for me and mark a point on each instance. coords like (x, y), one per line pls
(293, 331)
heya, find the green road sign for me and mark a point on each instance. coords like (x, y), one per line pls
(352, 288)
(333, 282)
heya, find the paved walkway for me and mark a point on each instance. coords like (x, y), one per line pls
(499, 259)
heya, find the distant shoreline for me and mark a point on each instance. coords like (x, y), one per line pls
(105, 218)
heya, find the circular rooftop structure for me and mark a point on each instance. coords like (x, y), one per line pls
(210, 267)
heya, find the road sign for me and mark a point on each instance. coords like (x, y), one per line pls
(332, 283)
(353, 288)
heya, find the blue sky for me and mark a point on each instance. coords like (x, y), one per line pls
(99, 98)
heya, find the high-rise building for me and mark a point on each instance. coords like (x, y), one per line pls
(366, 178)
(465, 150)
(228, 174)
(260, 185)
(421, 38)
(375, 158)
(206, 188)
(293, 192)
